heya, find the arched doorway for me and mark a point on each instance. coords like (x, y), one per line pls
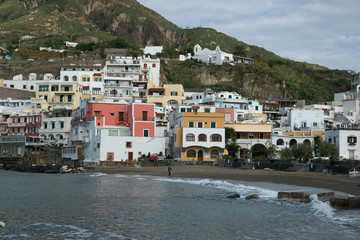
(200, 155)
(259, 151)
(292, 143)
(307, 142)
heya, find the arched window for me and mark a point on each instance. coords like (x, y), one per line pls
(66, 78)
(190, 137)
(214, 154)
(113, 93)
(280, 142)
(240, 118)
(74, 78)
(215, 138)
(202, 138)
(191, 153)
(307, 141)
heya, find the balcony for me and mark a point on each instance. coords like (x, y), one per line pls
(17, 124)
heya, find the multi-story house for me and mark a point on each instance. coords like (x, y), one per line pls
(196, 133)
(89, 77)
(115, 132)
(128, 78)
(55, 127)
(60, 95)
(345, 139)
(253, 136)
(26, 125)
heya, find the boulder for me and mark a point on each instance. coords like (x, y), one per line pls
(64, 169)
(340, 202)
(354, 202)
(302, 197)
(283, 194)
(299, 195)
(253, 196)
(326, 196)
(81, 170)
(234, 196)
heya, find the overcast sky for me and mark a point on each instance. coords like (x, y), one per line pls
(325, 32)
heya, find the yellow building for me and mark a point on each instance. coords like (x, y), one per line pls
(169, 95)
(60, 95)
(197, 133)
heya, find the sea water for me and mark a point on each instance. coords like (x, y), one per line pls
(100, 206)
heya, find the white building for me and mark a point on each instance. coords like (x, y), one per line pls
(301, 119)
(90, 77)
(153, 50)
(216, 56)
(55, 126)
(345, 140)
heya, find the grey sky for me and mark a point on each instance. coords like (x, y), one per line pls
(325, 32)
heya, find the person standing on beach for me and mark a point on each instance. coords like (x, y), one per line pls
(169, 171)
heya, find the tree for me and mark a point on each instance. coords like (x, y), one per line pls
(327, 149)
(302, 152)
(286, 154)
(230, 141)
(239, 51)
(271, 151)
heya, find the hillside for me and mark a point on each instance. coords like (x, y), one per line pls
(34, 23)
(98, 20)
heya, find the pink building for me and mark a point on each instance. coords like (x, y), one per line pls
(114, 132)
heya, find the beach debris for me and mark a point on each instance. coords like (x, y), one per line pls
(326, 196)
(301, 197)
(252, 196)
(2, 224)
(234, 196)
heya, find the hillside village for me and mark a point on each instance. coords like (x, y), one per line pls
(122, 112)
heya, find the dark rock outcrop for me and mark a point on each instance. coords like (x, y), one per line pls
(234, 196)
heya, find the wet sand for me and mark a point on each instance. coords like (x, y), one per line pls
(341, 183)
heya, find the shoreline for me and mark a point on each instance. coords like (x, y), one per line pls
(338, 183)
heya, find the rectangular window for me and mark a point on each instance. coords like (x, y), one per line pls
(173, 93)
(227, 117)
(54, 88)
(24, 86)
(113, 132)
(352, 140)
(188, 109)
(19, 151)
(182, 109)
(43, 88)
(121, 116)
(144, 115)
(251, 135)
(128, 144)
(61, 124)
(52, 125)
(61, 98)
(96, 91)
(207, 109)
(191, 124)
(45, 125)
(110, 156)
(146, 132)
(261, 136)
(97, 113)
(200, 124)
(213, 125)
(69, 98)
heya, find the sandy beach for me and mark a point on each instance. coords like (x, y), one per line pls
(342, 183)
